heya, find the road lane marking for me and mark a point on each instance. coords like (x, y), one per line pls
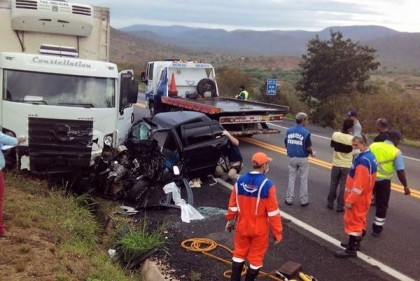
(368, 259)
(282, 127)
(396, 187)
(326, 138)
(142, 105)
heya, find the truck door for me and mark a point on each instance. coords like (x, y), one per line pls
(127, 98)
(149, 77)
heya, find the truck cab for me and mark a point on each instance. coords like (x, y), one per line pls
(69, 100)
(175, 78)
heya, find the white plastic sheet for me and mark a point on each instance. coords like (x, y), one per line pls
(188, 212)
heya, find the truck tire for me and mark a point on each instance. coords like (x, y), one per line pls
(206, 85)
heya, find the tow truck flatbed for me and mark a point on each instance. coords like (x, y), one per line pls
(219, 105)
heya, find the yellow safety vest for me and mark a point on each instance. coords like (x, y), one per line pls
(245, 94)
(385, 154)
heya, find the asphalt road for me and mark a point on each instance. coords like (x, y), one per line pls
(396, 252)
(399, 244)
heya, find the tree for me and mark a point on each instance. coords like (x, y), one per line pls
(229, 80)
(335, 67)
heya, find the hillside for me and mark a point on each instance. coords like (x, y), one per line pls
(134, 52)
(395, 49)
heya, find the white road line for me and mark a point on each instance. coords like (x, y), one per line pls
(389, 270)
(368, 259)
(326, 138)
(319, 136)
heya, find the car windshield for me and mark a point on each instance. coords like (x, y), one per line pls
(55, 89)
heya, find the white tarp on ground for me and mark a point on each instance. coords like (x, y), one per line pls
(188, 212)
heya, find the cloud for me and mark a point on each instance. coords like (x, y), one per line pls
(264, 15)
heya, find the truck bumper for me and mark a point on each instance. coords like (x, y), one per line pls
(254, 132)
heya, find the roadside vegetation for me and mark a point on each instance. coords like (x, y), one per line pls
(351, 78)
(59, 236)
(387, 91)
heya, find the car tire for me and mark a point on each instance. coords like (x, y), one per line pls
(138, 192)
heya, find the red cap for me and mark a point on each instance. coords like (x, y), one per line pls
(260, 158)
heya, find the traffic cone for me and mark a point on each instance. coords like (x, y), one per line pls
(172, 88)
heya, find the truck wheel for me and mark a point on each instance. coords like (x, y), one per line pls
(206, 85)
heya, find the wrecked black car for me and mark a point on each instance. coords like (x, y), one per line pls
(188, 139)
(168, 147)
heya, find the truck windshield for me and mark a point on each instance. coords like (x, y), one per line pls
(55, 89)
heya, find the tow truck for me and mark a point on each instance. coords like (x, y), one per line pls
(174, 85)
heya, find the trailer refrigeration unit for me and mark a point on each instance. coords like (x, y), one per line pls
(57, 86)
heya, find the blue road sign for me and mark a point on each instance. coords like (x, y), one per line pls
(271, 89)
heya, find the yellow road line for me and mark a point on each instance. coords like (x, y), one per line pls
(142, 105)
(396, 187)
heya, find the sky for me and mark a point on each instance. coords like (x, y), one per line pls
(309, 15)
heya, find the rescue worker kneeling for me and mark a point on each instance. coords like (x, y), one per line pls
(254, 209)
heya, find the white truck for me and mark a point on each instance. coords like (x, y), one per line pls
(177, 85)
(57, 86)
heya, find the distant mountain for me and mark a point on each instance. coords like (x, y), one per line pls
(395, 49)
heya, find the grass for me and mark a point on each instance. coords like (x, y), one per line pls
(72, 233)
(195, 276)
(137, 241)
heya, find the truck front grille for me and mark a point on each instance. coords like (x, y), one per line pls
(59, 145)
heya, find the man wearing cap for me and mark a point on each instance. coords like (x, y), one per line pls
(342, 144)
(299, 147)
(389, 159)
(357, 127)
(254, 208)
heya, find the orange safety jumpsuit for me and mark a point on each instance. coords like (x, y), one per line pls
(358, 192)
(253, 203)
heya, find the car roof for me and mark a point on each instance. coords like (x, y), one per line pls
(177, 118)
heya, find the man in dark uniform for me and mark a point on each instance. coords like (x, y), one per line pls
(383, 129)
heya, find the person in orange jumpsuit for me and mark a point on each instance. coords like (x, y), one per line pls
(358, 196)
(254, 208)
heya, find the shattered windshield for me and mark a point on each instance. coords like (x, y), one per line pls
(55, 89)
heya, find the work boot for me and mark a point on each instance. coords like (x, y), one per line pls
(350, 250)
(251, 274)
(345, 244)
(356, 243)
(236, 271)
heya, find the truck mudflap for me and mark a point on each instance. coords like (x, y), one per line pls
(251, 132)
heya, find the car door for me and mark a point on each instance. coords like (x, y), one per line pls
(203, 144)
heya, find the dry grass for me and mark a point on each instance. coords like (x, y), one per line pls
(53, 238)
